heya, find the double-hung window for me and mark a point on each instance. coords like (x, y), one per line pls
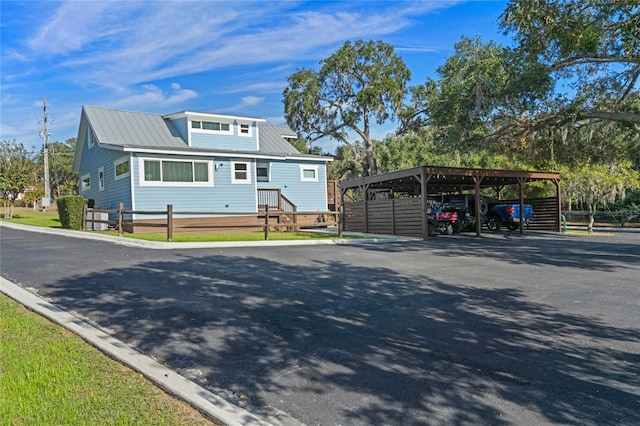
(101, 179)
(240, 172)
(244, 130)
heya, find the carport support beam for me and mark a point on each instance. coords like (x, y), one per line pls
(423, 194)
(521, 182)
(477, 179)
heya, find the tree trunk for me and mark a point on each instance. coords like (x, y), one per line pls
(591, 208)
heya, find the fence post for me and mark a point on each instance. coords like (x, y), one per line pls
(266, 222)
(169, 222)
(340, 224)
(121, 219)
(84, 217)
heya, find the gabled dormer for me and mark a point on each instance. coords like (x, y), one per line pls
(217, 131)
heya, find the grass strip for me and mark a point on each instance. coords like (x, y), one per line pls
(48, 375)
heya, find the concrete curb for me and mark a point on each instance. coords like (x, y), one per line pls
(157, 245)
(200, 398)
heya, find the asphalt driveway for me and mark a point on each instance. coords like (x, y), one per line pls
(506, 329)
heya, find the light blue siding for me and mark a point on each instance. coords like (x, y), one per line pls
(201, 139)
(222, 196)
(115, 191)
(181, 126)
(307, 196)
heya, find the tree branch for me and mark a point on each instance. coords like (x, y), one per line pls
(580, 60)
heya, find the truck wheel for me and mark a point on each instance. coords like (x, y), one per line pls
(513, 227)
(493, 224)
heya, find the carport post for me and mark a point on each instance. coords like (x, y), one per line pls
(477, 179)
(521, 188)
(423, 195)
(556, 182)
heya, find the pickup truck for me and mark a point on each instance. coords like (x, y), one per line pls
(508, 215)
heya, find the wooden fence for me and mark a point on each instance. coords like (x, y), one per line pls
(325, 219)
(403, 216)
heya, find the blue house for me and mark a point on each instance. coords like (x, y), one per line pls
(197, 162)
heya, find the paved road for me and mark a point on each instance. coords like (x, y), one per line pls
(506, 329)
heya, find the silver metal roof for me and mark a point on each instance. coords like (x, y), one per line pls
(272, 139)
(124, 128)
(129, 129)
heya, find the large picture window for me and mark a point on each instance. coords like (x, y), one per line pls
(176, 172)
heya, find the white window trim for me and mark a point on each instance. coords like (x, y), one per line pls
(143, 182)
(245, 135)
(82, 178)
(233, 173)
(101, 181)
(208, 131)
(305, 179)
(117, 163)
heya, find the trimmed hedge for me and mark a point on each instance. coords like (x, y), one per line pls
(70, 211)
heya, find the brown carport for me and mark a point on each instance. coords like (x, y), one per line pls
(406, 189)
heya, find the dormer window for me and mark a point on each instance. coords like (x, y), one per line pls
(244, 130)
(215, 126)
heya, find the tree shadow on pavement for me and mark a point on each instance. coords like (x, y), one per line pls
(330, 342)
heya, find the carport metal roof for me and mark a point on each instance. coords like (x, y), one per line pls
(431, 179)
(446, 179)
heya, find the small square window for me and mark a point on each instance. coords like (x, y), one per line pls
(309, 173)
(196, 125)
(240, 173)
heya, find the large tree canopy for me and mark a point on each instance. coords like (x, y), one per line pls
(361, 83)
(591, 45)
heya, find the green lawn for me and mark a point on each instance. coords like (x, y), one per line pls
(50, 376)
(32, 217)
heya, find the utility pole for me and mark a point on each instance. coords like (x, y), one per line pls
(44, 133)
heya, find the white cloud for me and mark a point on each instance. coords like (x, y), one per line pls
(123, 43)
(153, 95)
(247, 101)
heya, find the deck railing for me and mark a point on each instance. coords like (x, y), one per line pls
(329, 218)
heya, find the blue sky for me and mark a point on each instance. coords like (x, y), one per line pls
(227, 57)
